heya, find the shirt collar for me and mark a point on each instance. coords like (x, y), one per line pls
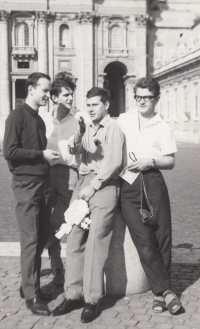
(103, 121)
(30, 110)
(156, 119)
(72, 111)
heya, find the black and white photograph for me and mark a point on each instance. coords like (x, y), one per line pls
(99, 164)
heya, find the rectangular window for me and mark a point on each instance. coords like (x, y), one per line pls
(185, 98)
(196, 101)
(196, 106)
(168, 105)
(175, 105)
(23, 65)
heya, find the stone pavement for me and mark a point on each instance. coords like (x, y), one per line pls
(117, 312)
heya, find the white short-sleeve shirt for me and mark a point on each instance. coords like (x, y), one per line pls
(154, 140)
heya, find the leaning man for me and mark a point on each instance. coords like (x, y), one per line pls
(149, 148)
(24, 148)
(61, 125)
(101, 143)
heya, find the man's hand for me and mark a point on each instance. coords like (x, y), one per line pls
(86, 193)
(50, 155)
(81, 126)
(140, 165)
(80, 131)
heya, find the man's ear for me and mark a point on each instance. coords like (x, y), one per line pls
(157, 99)
(107, 104)
(30, 88)
(54, 99)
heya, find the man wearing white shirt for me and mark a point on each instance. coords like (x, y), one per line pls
(150, 140)
(60, 126)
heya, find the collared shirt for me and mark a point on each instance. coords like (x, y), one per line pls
(101, 149)
(58, 134)
(154, 140)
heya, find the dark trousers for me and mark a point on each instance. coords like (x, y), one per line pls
(63, 181)
(154, 248)
(32, 212)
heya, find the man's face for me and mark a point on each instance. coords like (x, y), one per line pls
(147, 104)
(65, 97)
(40, 92)
(96, 108)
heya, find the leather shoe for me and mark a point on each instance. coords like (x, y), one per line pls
(58, 277)
(37, 307)
(42, 295)
(67, 306)
(89, 313)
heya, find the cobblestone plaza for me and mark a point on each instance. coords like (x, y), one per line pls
(131, 311)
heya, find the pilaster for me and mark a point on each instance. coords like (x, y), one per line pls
(141, 49)
(85, 22)
(42, 42)
(13, 93)
(5, 101)
(129, 84)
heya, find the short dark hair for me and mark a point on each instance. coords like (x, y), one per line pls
(148, 83)
(62, 80)
(97, 91)
(32, 80)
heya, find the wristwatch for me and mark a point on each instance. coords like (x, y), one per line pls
(153, 165)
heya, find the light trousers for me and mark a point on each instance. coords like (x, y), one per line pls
(87, 252)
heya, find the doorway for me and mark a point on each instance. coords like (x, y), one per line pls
(114, 83)
(20, 92)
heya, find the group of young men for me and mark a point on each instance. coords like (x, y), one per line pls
(55, 159)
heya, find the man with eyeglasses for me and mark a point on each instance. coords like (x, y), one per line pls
(149, 147)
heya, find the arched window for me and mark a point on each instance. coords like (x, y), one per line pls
(22, 35)
(116, 38)
(65, 36)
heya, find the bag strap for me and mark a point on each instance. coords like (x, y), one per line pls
(143, 189)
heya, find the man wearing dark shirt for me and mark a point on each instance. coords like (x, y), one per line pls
(24, 148)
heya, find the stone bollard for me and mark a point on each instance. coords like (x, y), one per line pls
(124, 273)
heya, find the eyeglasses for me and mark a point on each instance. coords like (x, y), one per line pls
(146, 99)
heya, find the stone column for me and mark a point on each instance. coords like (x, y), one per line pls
(129, 84)
(100, 79)
(5, 99)
(13, 94)
(85, 21)
(141, 64)
(124, 273)
(42, 42)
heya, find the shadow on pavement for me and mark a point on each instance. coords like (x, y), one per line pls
(183, 276)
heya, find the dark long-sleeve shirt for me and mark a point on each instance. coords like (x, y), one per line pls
(23, 145)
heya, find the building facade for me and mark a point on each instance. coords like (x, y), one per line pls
(106, 43)
(174, 52)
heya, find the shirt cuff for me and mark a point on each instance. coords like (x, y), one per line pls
(72, 146)
(39, 154)
(95, 183)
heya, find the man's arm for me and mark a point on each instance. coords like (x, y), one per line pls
(165, 163)
(75, 142)
(12, 149)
